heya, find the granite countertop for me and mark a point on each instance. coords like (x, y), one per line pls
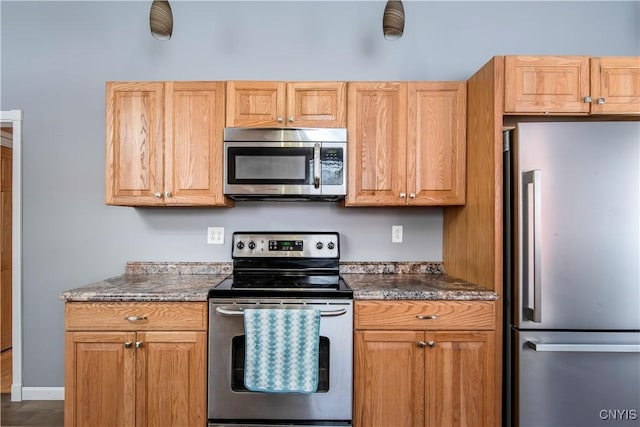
(161, 281)
(415, 286)
(144, 281)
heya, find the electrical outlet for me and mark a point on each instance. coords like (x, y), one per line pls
(396, 234)
(215, 235)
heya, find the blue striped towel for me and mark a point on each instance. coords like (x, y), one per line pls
(281, 351)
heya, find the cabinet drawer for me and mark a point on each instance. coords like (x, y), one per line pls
(156, 316)
(425, 315)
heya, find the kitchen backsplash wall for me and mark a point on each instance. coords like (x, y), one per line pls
(365, 233)
(57, 56)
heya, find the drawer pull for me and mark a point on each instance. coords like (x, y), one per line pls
(426, 317)
(138, 344)
(422, 344)
(431, 344)
(135, 318)
(128, 344)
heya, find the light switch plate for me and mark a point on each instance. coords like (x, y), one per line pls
(215, 235)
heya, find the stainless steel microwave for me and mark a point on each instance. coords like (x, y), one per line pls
(285, 163)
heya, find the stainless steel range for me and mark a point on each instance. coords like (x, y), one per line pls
(281, 270)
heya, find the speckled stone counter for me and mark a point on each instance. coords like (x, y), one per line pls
(145, 281)
(409, 281)
(191, 281)
(414, 286)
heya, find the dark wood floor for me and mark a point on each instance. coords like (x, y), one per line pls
(41, 413)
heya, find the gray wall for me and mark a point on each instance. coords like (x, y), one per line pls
(56, 57)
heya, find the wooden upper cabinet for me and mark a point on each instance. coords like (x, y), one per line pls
(615, 85)
(572, 85)
(134, 132)
(542, 84)
(282, 104)
(406, 143)
(194, 144)
(436, 143)
(257, 104)
(164, 144)
(317, 104)
(377, 135)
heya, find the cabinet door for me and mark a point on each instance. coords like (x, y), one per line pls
(389, 379)
(460, 379)
(99, 379)
(316, 104)
(377, 118)
(436, 143)
(134, 133)
(171, 379)
(194, 127)
(546, 84)
(615, 85)
(254, 103)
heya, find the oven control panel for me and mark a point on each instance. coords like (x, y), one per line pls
(289, 245)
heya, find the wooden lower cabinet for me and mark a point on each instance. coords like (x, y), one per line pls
(137, 377)
(459, 379)
(389, 379)
(441, 378)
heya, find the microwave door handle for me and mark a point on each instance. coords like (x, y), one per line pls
(316, 165)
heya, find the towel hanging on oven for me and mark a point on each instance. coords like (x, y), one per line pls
(281, 350)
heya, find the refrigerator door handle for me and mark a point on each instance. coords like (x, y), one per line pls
(584, 348)
(531, 231)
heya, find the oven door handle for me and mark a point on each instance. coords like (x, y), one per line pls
(239, 311)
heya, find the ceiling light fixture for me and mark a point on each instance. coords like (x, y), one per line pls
(393, 20)
(161, 19)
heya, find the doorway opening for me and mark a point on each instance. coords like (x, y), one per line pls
(10, 253)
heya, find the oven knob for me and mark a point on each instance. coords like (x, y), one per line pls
(240, 245)
(252, 245)
(319, 245)
(331, 245)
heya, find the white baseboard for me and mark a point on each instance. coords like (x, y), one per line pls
(42, 393)
(16, 392)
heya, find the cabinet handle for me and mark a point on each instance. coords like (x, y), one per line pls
(431, 343)
(279, 119)
(138, 344)
(600, 101)
(422, 344)
(128, 344)
(135, 318)
(426, 317)
(586, 99)
(157, 195)
(290, 119)
(412, 195)
(167, 194)
(403, 195)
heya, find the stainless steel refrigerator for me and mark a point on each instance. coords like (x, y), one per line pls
(572, 274)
